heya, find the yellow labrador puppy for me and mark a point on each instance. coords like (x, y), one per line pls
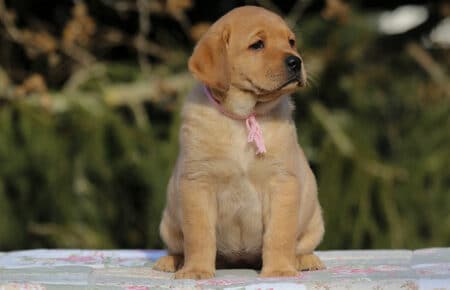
(242, 192)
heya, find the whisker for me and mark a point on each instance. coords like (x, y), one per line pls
(295, 29)
(312, 79)
(313, 83)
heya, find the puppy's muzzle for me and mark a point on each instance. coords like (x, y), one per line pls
(293, 64)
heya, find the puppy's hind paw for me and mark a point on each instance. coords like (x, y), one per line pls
(279, 273)
(169, 263)
(193, 274)
(309, 262)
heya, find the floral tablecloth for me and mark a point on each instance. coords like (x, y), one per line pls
(132, 270)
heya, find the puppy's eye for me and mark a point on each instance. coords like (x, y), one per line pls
(292, 42)
(257, 45)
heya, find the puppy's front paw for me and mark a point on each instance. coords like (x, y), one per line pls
(278, 273)
(193, 274)
(169, 263)
(309, 262)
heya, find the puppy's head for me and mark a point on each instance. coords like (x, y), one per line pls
(249, 51)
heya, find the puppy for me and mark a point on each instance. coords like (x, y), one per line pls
(242, 192)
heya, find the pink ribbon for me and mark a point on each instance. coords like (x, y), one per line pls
(253, 128)
(255, 134)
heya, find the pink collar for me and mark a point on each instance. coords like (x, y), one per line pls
(253, 128)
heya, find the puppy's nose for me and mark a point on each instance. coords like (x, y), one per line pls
(293, 63)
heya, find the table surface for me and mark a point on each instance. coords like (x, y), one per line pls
(132, 270)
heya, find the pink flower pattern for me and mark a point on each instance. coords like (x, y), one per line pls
(131, 270)
(137, 288)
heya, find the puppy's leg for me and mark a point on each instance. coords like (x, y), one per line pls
(281, 232)
(309, 262)
(198, 205)
(308, 241)
(169, 263)
(173, 238)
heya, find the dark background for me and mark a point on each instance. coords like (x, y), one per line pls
(90, 93)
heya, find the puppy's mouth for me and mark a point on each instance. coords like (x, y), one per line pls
(293, 79)
(267, 95)
(297, 79)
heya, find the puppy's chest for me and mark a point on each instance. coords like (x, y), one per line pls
(234, 161)
(241, 180)
(237, 146)
(240, 205)
(240, 150)
(240, 196)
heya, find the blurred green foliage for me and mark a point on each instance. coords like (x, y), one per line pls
(85, 164)
(77, 179)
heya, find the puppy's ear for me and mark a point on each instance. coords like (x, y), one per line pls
(209, 61)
